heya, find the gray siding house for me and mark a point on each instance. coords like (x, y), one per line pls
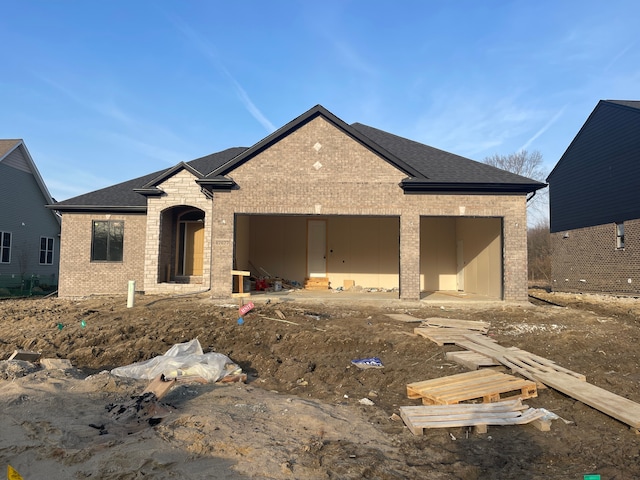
(29, 232)
(594, 204)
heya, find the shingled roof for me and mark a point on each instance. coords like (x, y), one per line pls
(124, 197)
(428, 169)
(7, 145)
(625, 103)
(440, 167)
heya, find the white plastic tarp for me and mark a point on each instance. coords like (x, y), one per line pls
(183, 359)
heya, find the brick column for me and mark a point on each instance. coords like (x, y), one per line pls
(410, 257)
(223, 232)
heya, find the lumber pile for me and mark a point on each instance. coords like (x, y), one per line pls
(485, 385)
(481, 350)
(443, 331)
(511, 412)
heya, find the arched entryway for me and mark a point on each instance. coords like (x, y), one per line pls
(182, 245)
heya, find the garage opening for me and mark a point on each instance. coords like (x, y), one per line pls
(462, 255)
(322, 251)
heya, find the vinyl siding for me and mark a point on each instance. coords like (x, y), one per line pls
(22, 213)
(596, 180)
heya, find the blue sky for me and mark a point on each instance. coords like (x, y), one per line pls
(106, 91)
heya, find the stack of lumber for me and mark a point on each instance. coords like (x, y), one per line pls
(480, 415)
(316, 283)
(444, 331)
(486, 385)
(483, 351)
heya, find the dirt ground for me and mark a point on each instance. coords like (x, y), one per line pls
(299, 414)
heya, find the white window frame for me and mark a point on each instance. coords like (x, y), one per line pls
(4, 247)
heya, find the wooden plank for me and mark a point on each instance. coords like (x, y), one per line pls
(403, 317)
(453, 323)
(496, 352)
(505, 406)
(520, 361)
(471, 360)
(556, 367)
(25, 355)
(242, 273)
(415, 387)
(613, 405)
(442, 336)
(160, 386)
(478, 415)
(490, 392)
(488, 385)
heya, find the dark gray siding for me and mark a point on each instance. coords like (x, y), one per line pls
(597, 180)
(22, 213)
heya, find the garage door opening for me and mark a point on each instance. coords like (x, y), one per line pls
(461, 255)
(362, 251)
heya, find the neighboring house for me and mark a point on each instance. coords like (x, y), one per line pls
(318, 200)
(594, 202)
(29, 232)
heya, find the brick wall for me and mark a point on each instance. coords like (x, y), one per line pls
(317, 170)
(79, 276)
(586, 260)
(180, 189)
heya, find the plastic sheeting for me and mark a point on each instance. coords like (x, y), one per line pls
(182, 359)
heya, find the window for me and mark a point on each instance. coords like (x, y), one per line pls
(107, 241)
(46, 251)
(620, 235)
(5, 247)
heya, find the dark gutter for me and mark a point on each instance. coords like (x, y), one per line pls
(98, 208)
(217, 183)
(149, 192)
(421, 186)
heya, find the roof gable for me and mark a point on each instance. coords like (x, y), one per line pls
(317, 111)
(22, 162)
(595, 180)
(616, 109)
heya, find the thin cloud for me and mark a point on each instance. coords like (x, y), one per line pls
(472, 127)
(619, 55)
(546, 126)
(150, 150)
(202, 45)
(353, 60)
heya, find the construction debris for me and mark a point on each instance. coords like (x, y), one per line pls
(25, 355)
(482, 351)
(458, 324)
(480, 415)
(486, 385)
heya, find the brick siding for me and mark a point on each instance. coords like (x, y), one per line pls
(586, 260)
(79, 276)
(315, 170)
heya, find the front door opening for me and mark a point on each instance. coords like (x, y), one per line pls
(190, 248)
